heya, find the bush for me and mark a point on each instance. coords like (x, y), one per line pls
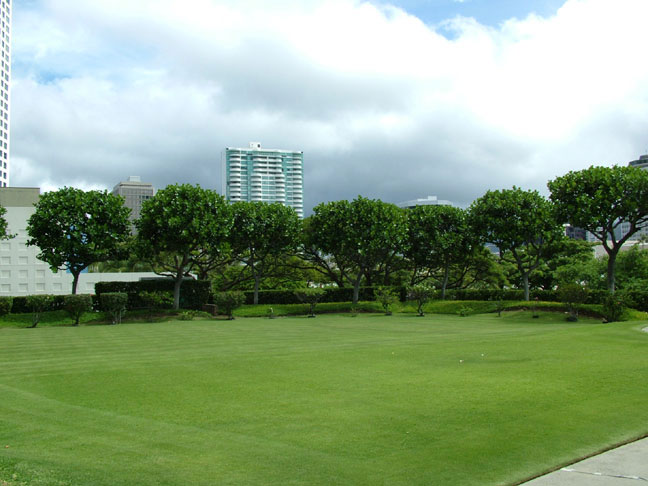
(115, 304)
(614, 306)
(573, 295)
(6, 303)
(155, 300)
(187, 315)
(387, 298)
(38, 304)
(77, 305)
(228, 301)
(421, 294)
(193, 293)
(310, 297)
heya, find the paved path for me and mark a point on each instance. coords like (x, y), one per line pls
(624, 466)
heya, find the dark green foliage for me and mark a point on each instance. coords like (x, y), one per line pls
(77, 305)
(355, 238)
(263, 234)
(73, 228)
(600, 199)
(310, 296)
(193, 293)
(387, 297)
(614, 306)
(4, 235)
(38, 304)
(521, 224)
(228, 301)
(115, 304)
(155, 300)
(572, 294)
(178, 227)
(421, 294)
(6, 304)
(20, 304)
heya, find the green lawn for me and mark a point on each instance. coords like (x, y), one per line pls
(400, 400)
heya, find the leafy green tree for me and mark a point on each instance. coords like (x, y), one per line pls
(178, 226)
(522, 226)
(73, 229)
(264, 234)
(38, 304)
(115, 304)
(310, 296)
(387, 298)
(4, 227)
(438, 237)
(356, 236)
(421, 294)
(600, 199)
(227, 302)
(77, 305)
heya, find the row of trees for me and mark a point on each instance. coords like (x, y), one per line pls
(187, 230)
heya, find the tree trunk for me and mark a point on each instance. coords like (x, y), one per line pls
(611, 267)
(525, 281)
(176, 289)
(356, 289)
(444, 284)
(257, 282)
(75, 281)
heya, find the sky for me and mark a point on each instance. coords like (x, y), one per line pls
(394, 101)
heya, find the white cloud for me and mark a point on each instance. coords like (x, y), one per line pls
(380, 103)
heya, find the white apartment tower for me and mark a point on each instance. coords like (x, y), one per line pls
(268, 175)
(5, 79)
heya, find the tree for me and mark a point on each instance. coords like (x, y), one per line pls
(4, 227)
(356, 236)
(521, 224)
(264, 234)
(179, 225)
(437, 238)
(600, 200)
(74, 228)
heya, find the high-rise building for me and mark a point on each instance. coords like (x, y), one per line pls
(268, 175)
(5, 79)
(134, 192)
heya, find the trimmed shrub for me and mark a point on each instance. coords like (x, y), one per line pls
(38, 304)
(387, 298)
(310, 297)
(228, 301)
(77, 305)
(156, 300)
(115, 304)
(421, 294)
(614, 306)
(193, 293)
(6, 303)
(573, 295)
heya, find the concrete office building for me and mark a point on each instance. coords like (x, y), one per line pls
(134, 192)
(268, 175)
(21, 272)
(5, 80)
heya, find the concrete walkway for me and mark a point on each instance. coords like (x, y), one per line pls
(624, 466)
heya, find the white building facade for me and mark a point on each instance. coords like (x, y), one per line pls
(267, 175)
(5, 81)
(21, 272)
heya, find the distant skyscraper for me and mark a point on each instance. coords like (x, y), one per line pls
(5, 79)
(134, 192)
(268, 175)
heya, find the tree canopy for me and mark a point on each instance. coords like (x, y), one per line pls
(600, 200)
(4, 228)
(357, 236)
(263, 234)
(74, 228)
(521, 224)
(178, 226)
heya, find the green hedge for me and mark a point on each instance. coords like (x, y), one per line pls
(20, 304)
(193, 293)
